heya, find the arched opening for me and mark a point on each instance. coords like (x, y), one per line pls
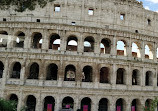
(13, 97)
(148, 103)
(1, 69)
(89, 44)
(72, 43)
(52, 72)
(148, 52)
(149, 78)
(136, 105)
(54, 42)
(70, 73)
(104, 75)
(87, 74)
(135, 77)
(16, 70)
(135, 50)
(3, 38)
(105, 46)
(68, 103)
(86, 104)
(121, 48)
(49, 103)
(31, 103)
(120, 78)
(103, 104)
(37, 41)
(19, 42)
(34, 71)
(120, 105)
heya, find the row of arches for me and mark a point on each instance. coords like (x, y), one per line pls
(86, 76)
(73, 42)
(85, 104)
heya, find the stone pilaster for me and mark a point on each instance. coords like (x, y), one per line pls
(28, 39)
(45, 38)
(114, 47)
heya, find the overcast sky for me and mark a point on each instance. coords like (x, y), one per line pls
(150, 4)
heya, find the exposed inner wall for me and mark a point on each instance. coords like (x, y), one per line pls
(126, 15)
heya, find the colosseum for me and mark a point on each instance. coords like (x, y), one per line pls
(80, 55)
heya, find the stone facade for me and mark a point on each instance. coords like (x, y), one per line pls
(127, 76)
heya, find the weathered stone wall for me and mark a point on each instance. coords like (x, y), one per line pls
(106, 15)
(105, 23)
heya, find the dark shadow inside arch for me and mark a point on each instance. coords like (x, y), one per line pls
(1, 69)
(120, 105)
(49, 103)
(103, 104)
(148, 78)
(135, 77)
(86, 104)
(34, 71)
(104, 75)
(68, 103)
(37, 41)
(87, 74)
(31, 103)
(136, 105)
(14, 98)
(148, 103)
(120, 76)
(16, 70)
(52, 71)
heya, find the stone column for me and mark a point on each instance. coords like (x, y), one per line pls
(155, 79)
(45, 38)
(80, 47)
(114, 47)
(28, 39)
(22, 73)
(21, 103)
(58, 104)
(76, 104)
(61, 74)
(62, 42)
(129, 50)
(143, 76)
(112, 106)
(97, 48)
(129, 76)
(41, 72)
(95, 75)
(154, 52)
(11, 38)
(142, 103)
(113, 75)
(78, 74)
(142, 51)
(39, 104)
(94, 106)
(128, 106)
(4, 78)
